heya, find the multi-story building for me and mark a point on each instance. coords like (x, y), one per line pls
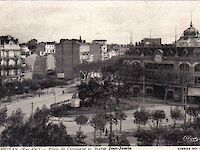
(11, 61)
(50, 48)
(116, 50)
(67, 59)
(84, 52)
(45, 48)
(170, 71)
(98, 50)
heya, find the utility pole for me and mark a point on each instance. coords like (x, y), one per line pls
(32, 107)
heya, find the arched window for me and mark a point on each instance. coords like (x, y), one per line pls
(184, 67)
(197, 68)
(136, 65)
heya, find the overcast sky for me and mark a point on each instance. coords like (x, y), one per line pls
(113, 21)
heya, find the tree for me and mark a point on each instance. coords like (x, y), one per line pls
(120, 116)
(173, 137)
(99, 122)
(36, 131)
(16, 118)
(141, 117)
(192, 112)
(81, 120)
(157, 116)
(80, 137)
(145, 137)
(176, 115)
(3, 115)
(32, 44)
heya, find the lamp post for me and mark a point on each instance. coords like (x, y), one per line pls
(16, 89)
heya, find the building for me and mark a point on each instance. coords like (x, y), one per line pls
(98, 50)
(36, 67)
(50, 48)
(67, 59)
(12, 65)
(171, 71)
(45, 48)
(116, 50)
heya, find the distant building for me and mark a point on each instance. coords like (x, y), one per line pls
(151, 42)
(84, 52)
(95, 52)
(40, 50)
(98, 50)
(10, 55)
(45, 48)
(67, 59)
(50, 47)
(36, 67)
(116, 50)
(172, 71)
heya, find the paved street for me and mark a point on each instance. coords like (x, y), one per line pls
(38, 101)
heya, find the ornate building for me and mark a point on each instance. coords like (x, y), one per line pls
(170, 71)
(12, 64)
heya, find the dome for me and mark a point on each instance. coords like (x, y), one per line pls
(191, 31)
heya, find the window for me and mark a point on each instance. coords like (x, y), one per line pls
(184, 67)
(197, 80)
(197, 68)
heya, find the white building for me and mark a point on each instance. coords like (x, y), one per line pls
(50, 47)
(10, 58)
(84, 52)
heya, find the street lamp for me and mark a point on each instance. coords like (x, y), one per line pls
(16, 89)
(111, 119)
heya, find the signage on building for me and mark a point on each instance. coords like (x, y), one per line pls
(193, 91)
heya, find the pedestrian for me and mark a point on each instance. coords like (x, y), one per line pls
(106, 134)
(63, 92)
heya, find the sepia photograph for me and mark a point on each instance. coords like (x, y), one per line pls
(99, 73)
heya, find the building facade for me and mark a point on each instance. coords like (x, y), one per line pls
(170, 71)
(67, 59)
(99, 50)
(12, 65)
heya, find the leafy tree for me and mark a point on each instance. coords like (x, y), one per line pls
(121, 141)
(81, 120)
(192, 112)
(145, 137)
(120, 116)
(3, 115)
(176, 115)
(80, 137)
(32, 44)
(173, 137)
(98, 122)
(158, 116)
(141, 117)
(16, 118)
(36, 131)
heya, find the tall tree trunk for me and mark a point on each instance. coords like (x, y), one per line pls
(95, 136)
(120, 126)
(100, 134)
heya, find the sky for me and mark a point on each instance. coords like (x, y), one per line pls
(114, 21)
